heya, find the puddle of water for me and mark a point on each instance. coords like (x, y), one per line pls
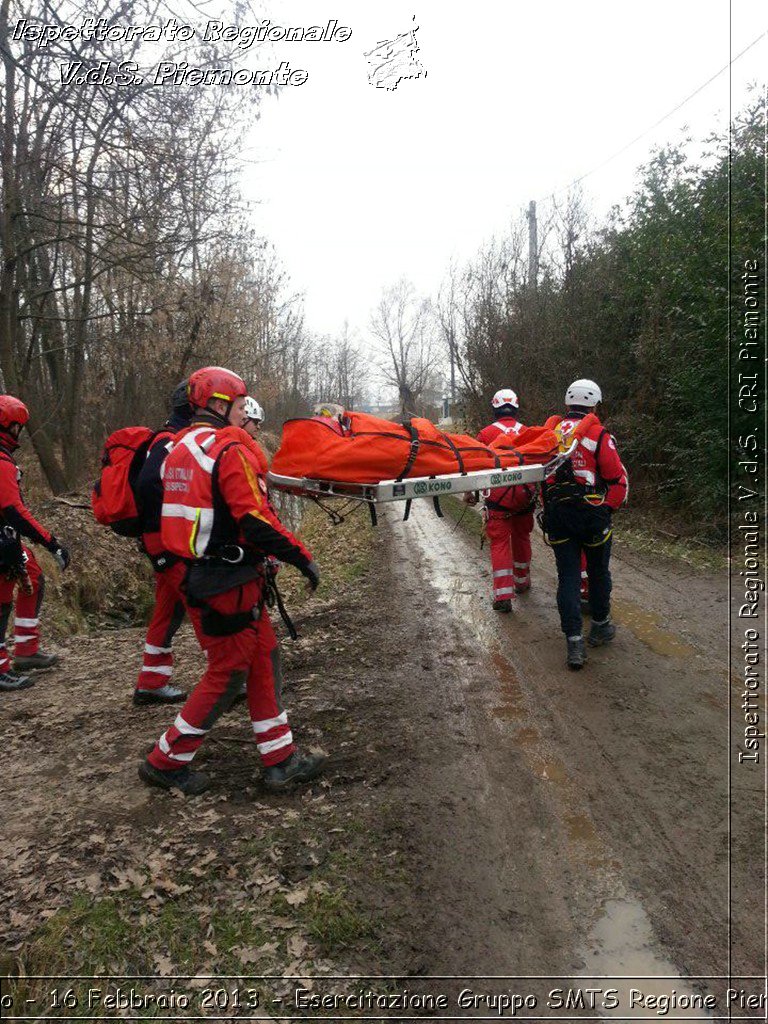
(621, 944)
(509, 685)
(553, 772)
(581, 828)
(645, 627)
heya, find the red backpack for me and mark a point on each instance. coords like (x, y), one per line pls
(113, 498)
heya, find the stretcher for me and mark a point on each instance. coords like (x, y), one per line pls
(408, 488)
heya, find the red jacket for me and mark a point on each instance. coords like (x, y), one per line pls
(215, 493)
(596, 463)
(516, 500)
(14, 512)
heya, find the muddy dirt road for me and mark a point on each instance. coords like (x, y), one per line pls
(485, 811)
(567, 822)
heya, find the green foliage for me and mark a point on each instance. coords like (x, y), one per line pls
(642, 307)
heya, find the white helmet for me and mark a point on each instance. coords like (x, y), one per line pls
(583, 392)
(504, 397)
(253, 410)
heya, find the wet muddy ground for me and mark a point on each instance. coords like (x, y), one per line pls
(576, 822)
(493, 813)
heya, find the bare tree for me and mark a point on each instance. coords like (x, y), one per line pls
(403, 327)
(119, 211)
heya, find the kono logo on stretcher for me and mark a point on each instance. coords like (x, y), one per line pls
(433, 487)
(512, 477)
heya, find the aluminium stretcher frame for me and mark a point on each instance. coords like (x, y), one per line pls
(420, 486)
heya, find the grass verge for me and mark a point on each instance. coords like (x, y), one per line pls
(235, 883)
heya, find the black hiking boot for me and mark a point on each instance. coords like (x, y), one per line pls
(577, 653)
(295, 768)
(10, 681)
(164, 695)
(601, 633)
(502, 604)
(38, 661)
(190, 783)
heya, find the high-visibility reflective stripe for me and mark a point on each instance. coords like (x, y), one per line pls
(23, 639)
(587, 474)
(166, 749)
(589, 444)
(203, 525)
(521, 565)
(270, 723)
(270, 745)
(198, 454)
(508, 430)
(502, 572)
(27, 622)
(520, 579)
(151, 649)
(187, 729)
(498, 591)
(180, 511)
(160, 670)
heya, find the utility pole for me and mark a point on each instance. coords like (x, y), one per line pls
(451, 346)
(533, 247)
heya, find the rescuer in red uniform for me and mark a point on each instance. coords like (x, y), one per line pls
(154, 683)
(27, 654)
(217, 519)
(508, 514)
(579, 501)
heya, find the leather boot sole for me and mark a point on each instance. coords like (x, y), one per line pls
(146, 699)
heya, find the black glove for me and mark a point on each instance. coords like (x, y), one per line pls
(313, 575)
(59, 552)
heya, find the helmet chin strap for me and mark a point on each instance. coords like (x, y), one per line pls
(217, 417)
(10, 439)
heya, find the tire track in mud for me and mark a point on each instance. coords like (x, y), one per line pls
(593, 814)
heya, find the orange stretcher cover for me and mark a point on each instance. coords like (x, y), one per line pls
(368, 449)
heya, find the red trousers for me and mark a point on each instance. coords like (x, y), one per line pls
(510, 540)
(26, 628)
(250, 656)
(167, 616)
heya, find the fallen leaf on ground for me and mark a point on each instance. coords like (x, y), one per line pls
(296, 946)
(297, 897)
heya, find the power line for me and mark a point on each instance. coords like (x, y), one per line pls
(661, 120)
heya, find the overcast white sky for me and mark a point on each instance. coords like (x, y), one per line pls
(358, 186)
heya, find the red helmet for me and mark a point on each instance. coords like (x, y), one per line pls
(12, 410)
(215, 382)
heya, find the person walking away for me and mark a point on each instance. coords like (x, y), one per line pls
(508, 513)
(579, 501)
(154, 683)
(14, 416)
(216, 518)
